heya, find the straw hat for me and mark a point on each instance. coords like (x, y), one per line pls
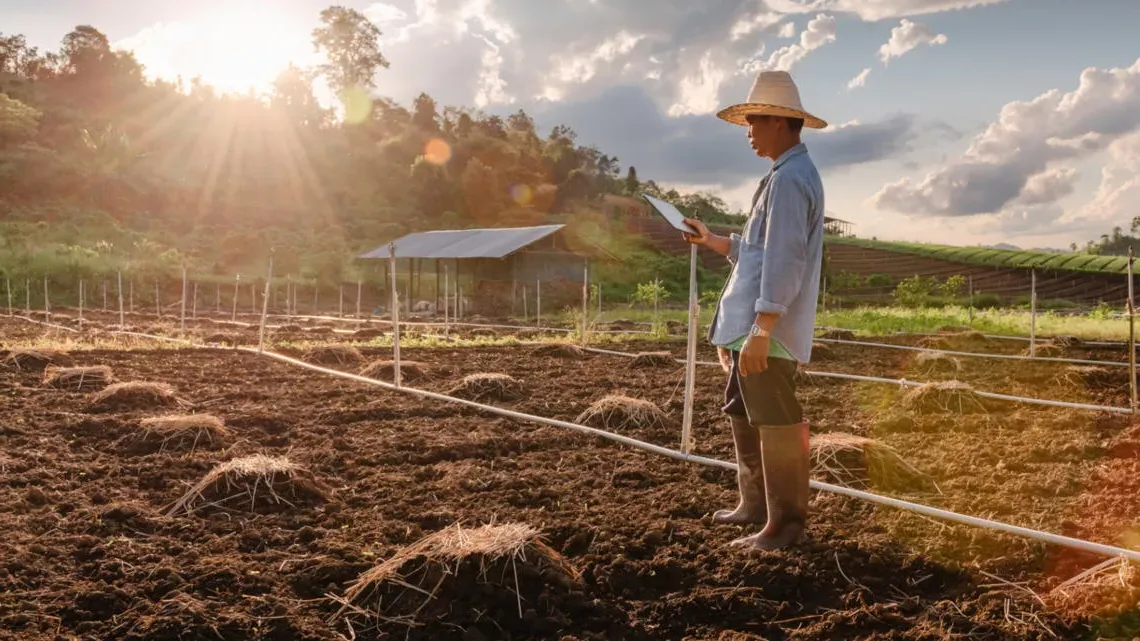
(773, 94)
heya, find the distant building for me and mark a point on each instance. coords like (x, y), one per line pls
(837, 227)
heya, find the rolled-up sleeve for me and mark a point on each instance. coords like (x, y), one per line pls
(734, 248)
(785, 244)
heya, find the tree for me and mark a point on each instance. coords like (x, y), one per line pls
(293, 94)
(483, 192)
(1072, 247)
(632, 185)
(1135, 224)
(351, 44)
(424, 115)
(18, 122)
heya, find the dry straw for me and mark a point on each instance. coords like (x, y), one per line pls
(937, 363)
(1107, 589)
(79, 379)
(423, 567)
(857, 461)
(488, 387)
(622, 412)
(654, 359)
(334, 355)
(410, 371)
(559, 350)
(36, 360)
(1045, 350)
(134, 395)
(185, 431)
(943, 397)
(270, 482)
(1093, 376)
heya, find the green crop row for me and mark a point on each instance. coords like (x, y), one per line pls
(983, 256)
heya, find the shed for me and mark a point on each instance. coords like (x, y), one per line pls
(497, 271)
(837, 226)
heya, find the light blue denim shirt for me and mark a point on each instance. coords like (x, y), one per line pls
(777, 260)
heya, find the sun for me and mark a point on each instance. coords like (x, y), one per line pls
(234, 50)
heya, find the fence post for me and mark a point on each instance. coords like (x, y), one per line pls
(1131, 337)
(526, 306)
(585, 299)
(656, 288)
(316, 296)
(1032, 313)
(538, 303)
(691, 354)
(599, 301)
(157, 299)
(253, 296)
(971, 282)
(8, 286)
(446, 298)
(395, 316)
(104, 294)
(81, 300)
(47, 303)
(194, 304)
(182, 311)
(340, 304)
(237, 282)
(265, 307)
(131, 287)
(359, 288)
(218, 299)
(122, 316)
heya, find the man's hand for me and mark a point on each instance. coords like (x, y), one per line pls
(706, 238)
(754, 355)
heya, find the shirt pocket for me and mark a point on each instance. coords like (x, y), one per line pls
(756, 228)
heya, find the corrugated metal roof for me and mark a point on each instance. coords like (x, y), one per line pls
(465, 243)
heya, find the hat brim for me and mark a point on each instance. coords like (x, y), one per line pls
(738, 114)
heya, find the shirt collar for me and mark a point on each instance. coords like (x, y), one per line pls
(800, 148)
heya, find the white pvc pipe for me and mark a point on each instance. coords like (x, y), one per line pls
(1046, 537)
(1009, 357)
(687, 442)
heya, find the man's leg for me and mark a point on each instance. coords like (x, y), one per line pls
(752, 507)
(770, 401)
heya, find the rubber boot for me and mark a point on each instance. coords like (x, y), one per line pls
(753, 507)
(785, 453)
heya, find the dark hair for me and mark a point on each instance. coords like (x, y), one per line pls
(795, 125)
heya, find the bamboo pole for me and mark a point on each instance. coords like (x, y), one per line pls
(104, 294)
(446, 297)
(194, 303)
(265, 307)
(340, 304)
(122, 315)
(8, 286)
(1033, 313)
(1131, 336)
(157, 300)
(971, 284)
(359, 289)
(538, 303)
(182, 310)
(81, 299)
(233, 313)
(691, 358)
(395, 316)
(585, 300)
(47, 303)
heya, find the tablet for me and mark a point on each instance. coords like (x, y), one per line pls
(670, 213)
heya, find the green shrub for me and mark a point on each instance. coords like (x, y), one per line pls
(880, 280)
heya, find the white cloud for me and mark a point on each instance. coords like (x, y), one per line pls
(873, 10)
(787, 30)
(907, 37)
(757, 23)
(1119, 190)
(819, 32)
(382, 14)
(699, 91)
(859, 80)
(492, 87)
(581, 68)
(1013, 161)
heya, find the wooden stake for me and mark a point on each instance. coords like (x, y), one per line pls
(8, 286)
(182, 311)
(395, 315)
(265, 307)
(538, 303)
(122, 315)
(585, 300)
(340, 304)
(359, 288)
(446, 297)
(691, 355)
(194, 304)
(47, 303)
(1032, 313)
(1131, 335)
(81, 299)
(157, 300)
(237, 282)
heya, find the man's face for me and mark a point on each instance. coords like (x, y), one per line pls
(763, 131)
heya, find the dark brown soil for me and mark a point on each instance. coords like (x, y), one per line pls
(86, 551)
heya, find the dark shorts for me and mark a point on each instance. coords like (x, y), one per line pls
(767, 398)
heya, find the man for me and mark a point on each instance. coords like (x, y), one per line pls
(766, 314)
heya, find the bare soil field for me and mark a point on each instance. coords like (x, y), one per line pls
(112, 528)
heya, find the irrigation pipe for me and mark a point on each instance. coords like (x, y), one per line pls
(1003, 337)
(905, 383)
(1009, 357)
(925, 510)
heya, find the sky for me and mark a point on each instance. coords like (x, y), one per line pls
(952, 121)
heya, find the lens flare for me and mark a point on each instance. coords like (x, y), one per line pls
(521, 194)
(437, 151)
(357, 105)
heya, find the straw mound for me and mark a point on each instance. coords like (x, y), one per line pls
(368, 332)
(410, 371)
(1066, 341)
(559, 350)
(954, 329)
(856, 461)
(133, 395)
(622, 412)
(185, 431)
(937, 362)
(958, 340)
(334, 355)
(257, 483)
(838, 335)
(36, 360)
(222, 338)
(483, 332)
(488, 387)
(654, 359)
(1106, 590)
(79, 379)
(1044, 350)
(506, 569)
(822, 352)
(321, 330)
(943, 397)
(1093, 377)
